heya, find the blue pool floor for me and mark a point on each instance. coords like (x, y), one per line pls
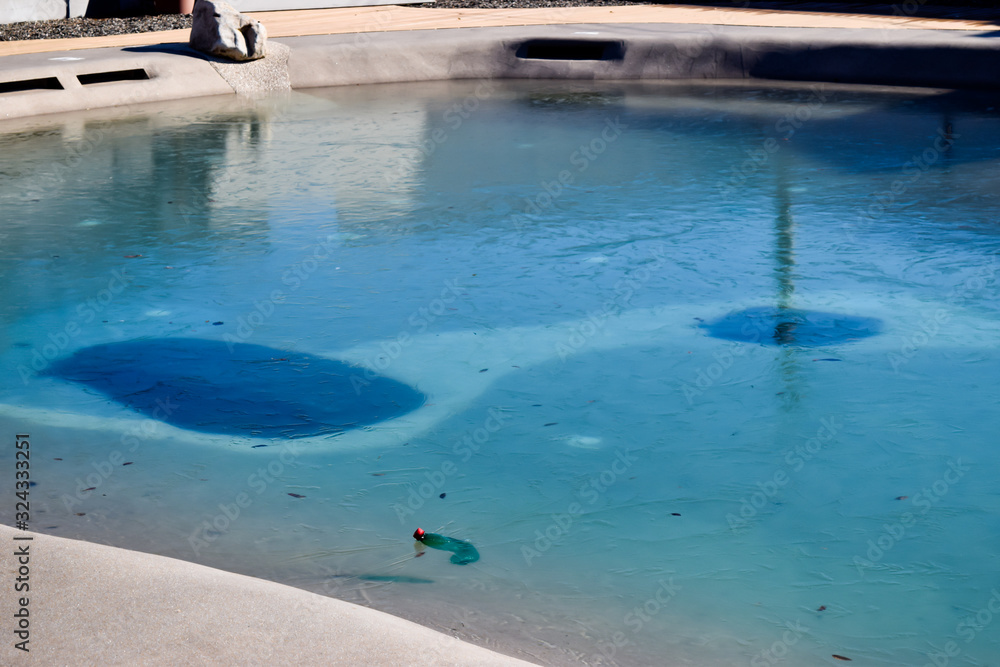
(566, 390)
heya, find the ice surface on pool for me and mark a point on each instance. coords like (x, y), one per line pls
(544, 262)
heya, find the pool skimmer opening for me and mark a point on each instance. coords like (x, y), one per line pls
(117, 75)
(571, 49)
(47, 83)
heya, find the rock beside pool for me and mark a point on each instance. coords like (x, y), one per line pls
(219, 30)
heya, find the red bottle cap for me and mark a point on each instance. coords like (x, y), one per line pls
(418, 534)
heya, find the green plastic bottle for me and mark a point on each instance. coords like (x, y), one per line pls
(464, 553)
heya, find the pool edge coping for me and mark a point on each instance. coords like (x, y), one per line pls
(661, 51)
(179, 75)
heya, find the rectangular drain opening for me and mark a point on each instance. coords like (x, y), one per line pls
(48, 83)
(570, 49)
(107, 77)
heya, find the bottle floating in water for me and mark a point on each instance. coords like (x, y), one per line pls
(464, 553)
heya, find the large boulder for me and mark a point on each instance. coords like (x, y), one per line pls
(218, 29)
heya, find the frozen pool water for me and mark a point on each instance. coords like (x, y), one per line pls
(551, 282)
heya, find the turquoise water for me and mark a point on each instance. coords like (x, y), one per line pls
(553, 279)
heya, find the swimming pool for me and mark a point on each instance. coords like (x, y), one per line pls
(706, 373)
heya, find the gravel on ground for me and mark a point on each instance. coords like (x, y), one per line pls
(81, 27)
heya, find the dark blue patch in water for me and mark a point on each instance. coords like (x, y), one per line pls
(769, 325)
(247, 390)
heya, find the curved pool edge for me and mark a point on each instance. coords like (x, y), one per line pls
(671, 52)
(58, 81)
(173, 74)
(919, 58)
(85, 609)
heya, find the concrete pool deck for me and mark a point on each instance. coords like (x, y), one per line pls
(93, 603)
(395, 18)
(394, 43)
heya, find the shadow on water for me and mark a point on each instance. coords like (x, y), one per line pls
(783, 324)
(772, 325)
(237, 389)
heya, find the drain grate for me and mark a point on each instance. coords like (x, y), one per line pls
(108, 77)
(570, 49)
(48, 83)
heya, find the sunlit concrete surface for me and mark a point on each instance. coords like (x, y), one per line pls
(93, 604)
(98, 604)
